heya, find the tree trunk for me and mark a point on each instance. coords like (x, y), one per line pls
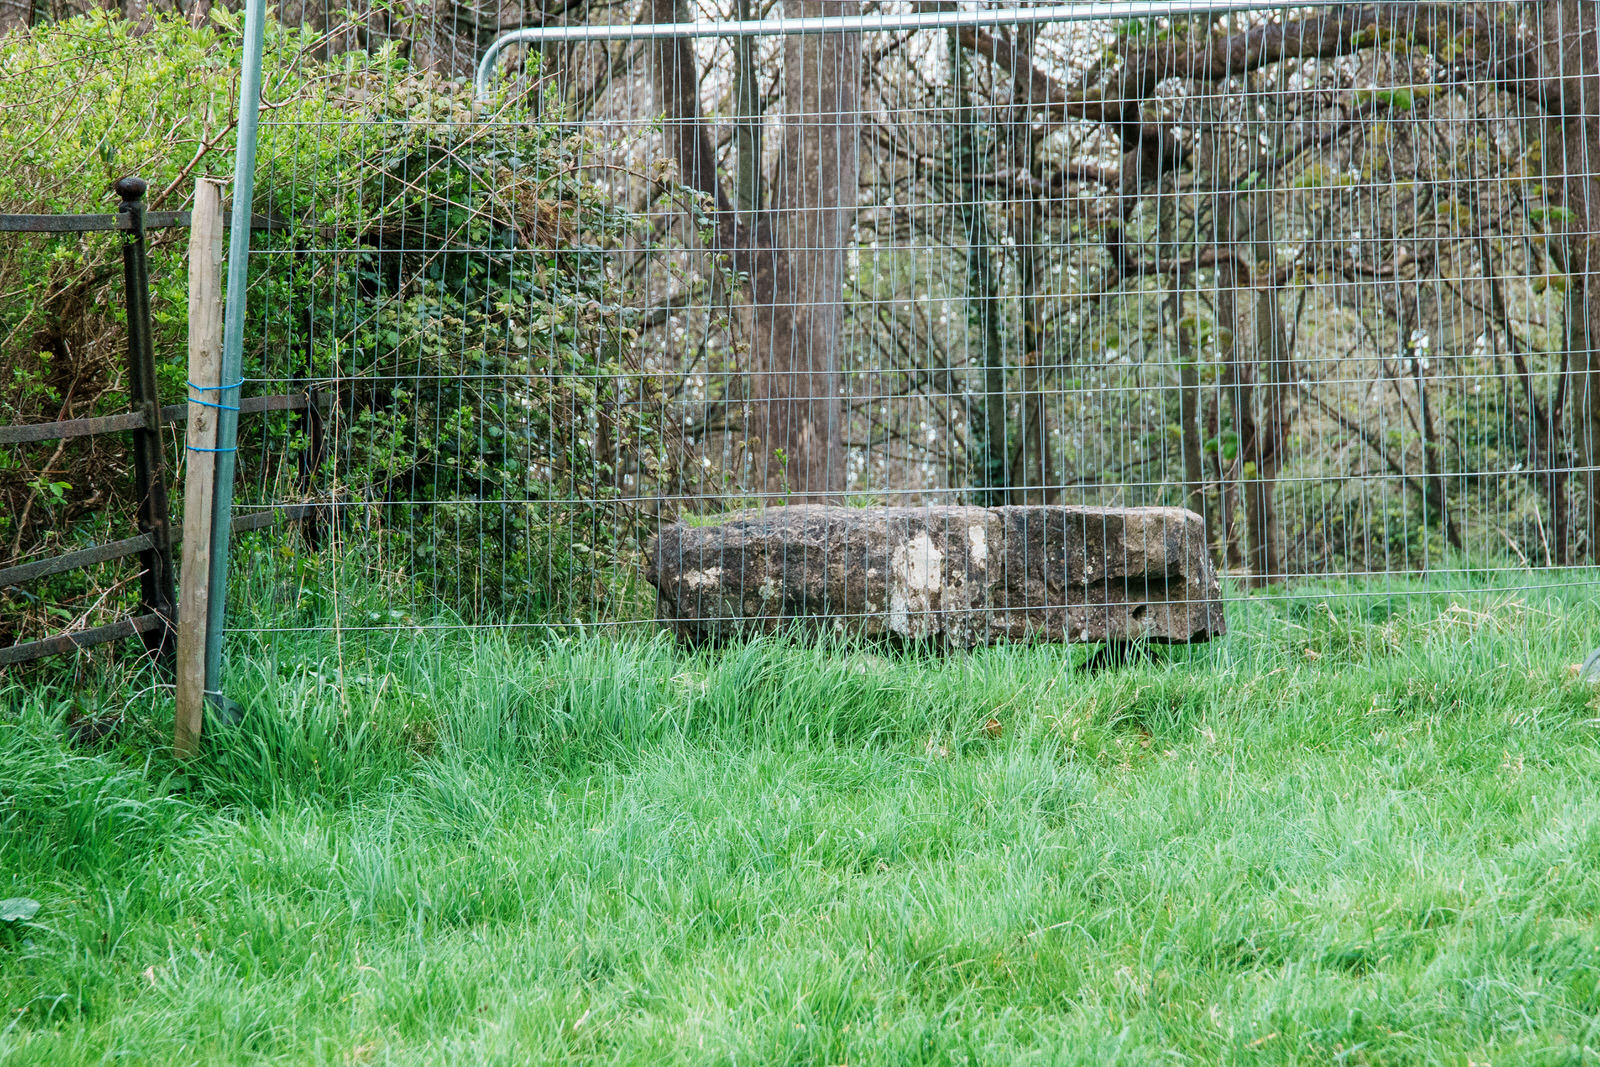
(1219, 521)
(1274, 361)
(795, 255)
(1559, 454)
(986, 419)
(1568, 61)
(1030, 469)
(747, 133)
(1262, 435)
(1194, 476)
(1269, 444)
(676, 80)
(1435, 501)
(1239, 385)
(1547, 460)
(797, 414)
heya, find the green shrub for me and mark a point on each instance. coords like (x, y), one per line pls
(445, 274)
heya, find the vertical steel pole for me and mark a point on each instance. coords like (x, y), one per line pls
(244, 174)
(155, 517)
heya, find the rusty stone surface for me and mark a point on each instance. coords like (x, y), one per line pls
(957, 576)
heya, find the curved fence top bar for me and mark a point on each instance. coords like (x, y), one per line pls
(874, 23)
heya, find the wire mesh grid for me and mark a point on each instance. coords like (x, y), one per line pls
(1318, 274)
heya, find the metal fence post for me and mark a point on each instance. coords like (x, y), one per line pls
(150, 483)
(244, 173)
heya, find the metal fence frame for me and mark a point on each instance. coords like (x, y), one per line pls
(965, 16)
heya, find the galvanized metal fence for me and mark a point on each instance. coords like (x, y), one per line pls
(1323, 274)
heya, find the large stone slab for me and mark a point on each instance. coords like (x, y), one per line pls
(958, 576)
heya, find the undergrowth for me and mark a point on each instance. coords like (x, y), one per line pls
(1362, 828)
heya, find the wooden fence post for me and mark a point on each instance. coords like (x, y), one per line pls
(205, 393)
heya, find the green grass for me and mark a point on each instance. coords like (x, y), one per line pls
(1362, 829)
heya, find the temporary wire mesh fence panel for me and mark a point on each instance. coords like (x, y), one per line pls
(1320, 274)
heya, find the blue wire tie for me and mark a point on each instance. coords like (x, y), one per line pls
(209, 404)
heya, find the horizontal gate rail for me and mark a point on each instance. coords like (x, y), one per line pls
(1094, 11)
(153, 220)
(129, 546)
(64, 643)
(51, 431)
(84, 557)
(271, 514)
(88, 557)
(135, 420)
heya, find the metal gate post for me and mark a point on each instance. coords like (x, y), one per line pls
(150, 476)
(244, 178)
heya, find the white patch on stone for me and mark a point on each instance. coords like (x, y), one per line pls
(915, 575)
(701, 579)
(768, 590)
(980, 545)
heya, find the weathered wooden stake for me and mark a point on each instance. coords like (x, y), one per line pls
(205, 376)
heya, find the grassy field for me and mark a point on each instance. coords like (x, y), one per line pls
(1361, 829)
